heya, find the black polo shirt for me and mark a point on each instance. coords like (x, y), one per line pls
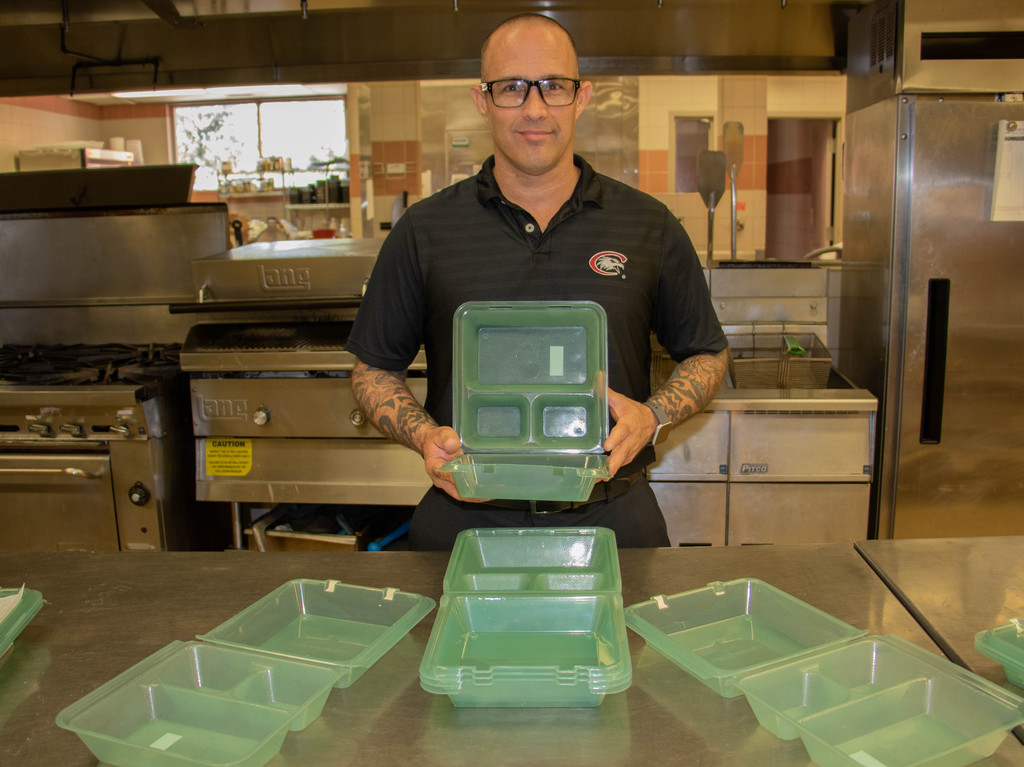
(609, 243)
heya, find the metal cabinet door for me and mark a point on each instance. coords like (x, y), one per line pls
(56, 502)
(801, 447)
(797, 513)
(697, 449)
(694, 512)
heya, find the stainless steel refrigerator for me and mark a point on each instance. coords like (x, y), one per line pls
(931, 313)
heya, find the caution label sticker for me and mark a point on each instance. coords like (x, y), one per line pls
(228, 457)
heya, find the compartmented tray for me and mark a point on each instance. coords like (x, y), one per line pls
(883, 701)
(348, 627)
(530, 375)
(30, 603)
(527, 650)
(199, 704)
(529, 381)
(1005, 645)
(725, 631)
(533, 560)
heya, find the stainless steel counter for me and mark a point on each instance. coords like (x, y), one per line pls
(984, 589)
(104, 612)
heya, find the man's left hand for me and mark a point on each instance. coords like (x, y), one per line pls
(634, 427)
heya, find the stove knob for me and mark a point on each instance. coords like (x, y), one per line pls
(357, 417)
(138, 494)
(39, 428)
(121, 428)
(74, 429)
(261, 416)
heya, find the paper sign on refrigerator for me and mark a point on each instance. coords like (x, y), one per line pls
(1008, 184)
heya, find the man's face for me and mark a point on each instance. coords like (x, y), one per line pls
(534, 138)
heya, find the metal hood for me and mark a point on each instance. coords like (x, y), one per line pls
(93, 46)
(923, 46)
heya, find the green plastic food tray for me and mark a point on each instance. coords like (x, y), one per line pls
(883, 701)
(348, 627)
(530, 399)
(30, 604)
(536, 477)
(725, 631)
(527, 650)
(1005, 645)
(200, 704)
(534, 560)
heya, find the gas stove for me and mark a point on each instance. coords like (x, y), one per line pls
(81, 364)
(96, 450)
(86, 392)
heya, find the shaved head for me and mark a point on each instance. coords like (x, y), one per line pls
(526, 19)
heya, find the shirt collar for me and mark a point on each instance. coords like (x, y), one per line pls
(588, 186)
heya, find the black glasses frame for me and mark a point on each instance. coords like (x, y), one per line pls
(488, 87)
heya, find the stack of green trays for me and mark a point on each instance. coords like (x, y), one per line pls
(530, 390)
(529, 618)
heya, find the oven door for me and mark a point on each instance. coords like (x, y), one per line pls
(56, 502)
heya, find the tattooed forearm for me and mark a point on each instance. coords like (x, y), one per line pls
(692, 385)
(387, 401)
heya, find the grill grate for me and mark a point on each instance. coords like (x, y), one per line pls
(326, 336)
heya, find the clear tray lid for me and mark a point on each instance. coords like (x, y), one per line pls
(530, 376)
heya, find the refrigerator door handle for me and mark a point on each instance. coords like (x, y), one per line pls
(936, 338)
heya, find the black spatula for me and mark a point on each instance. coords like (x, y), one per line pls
(711, 185)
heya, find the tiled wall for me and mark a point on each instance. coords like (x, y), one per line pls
(28, 122)
(750, 100)
(395, 140)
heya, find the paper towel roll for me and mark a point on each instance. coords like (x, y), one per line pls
(134, 146)
(116, 143)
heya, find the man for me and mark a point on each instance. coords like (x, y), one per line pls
(537, 223)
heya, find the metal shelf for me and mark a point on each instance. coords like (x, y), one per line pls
(317, 205)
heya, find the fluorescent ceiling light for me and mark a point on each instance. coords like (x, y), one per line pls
(229, 92)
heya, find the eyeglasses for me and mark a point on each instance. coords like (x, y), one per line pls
(555, 91)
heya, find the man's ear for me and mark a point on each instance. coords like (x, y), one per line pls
(583, 96)
(479, 100)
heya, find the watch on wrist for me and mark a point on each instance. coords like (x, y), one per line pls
(664, 423)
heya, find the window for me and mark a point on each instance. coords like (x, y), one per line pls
(690, 140)
(309, 133)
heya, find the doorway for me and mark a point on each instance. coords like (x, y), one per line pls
(800, 200)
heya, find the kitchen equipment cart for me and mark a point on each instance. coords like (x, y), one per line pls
(106, 611)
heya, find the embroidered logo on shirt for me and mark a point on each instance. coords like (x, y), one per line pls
(608, 263)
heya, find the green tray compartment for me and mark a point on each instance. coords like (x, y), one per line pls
(530, 376)
(534, 559)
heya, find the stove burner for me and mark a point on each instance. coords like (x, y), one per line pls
(81, 364)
